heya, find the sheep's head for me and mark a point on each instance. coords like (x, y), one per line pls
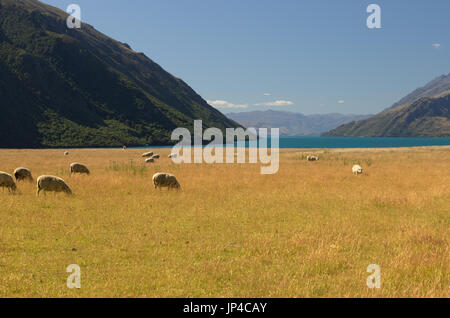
(67, 190)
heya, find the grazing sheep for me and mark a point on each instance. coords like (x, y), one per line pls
(147, 154)
(149, 160)
(124, 147)
(357, 169)
(23, 174)
(173, 156)
(66, 153)
(78, 168)
(7, 181)
(312, 158)
(161, 180)
(54, 184)
(156, 156)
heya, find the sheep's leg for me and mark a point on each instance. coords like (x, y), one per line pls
(37, 193)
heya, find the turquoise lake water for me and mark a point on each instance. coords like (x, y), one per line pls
(352, 142)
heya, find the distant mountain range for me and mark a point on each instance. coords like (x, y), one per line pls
(423, 113)
(63, 87)
(293, 124)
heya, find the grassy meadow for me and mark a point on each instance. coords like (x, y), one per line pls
(311, 230)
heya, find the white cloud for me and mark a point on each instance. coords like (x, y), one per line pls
(225, 104)
(267, 94)
(341, 101)
(436, 45)
(276, 103)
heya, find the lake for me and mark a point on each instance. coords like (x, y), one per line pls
(353, 142)
(360, 142)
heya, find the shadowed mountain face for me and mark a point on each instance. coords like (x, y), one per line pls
(63, 87)
(293, 124)
(423, 113)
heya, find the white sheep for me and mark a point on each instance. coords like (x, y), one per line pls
(7, 181)
(79, 168)
(161, 180)
(66, 153)
(52, 184)
(156, 156)
(23, 174)
(357, 169)
(312, 158)
(149, 160)
(147, 154)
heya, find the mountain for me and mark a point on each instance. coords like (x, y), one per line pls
(426, 116)
(62, 87)
(438, 86)
(293, 124)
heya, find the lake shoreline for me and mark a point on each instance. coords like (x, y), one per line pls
(306, 142)
(343, 149)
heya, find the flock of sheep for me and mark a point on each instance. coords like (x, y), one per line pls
(48, 183)
(55, 184)
(161, 180)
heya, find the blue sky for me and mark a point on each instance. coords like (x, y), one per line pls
(294, 55)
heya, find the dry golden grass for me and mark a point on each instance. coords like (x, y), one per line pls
(310, 230)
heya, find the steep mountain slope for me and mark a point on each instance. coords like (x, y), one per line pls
(426, 117)
(423, 113)
(293, 124)
(438, 86)
(63, 87)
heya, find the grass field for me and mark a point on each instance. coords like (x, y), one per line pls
(311, 230)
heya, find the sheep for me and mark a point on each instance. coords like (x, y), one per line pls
(156, 156)
(147, 154)
(23, 174)
(78, 168)
(7, 181)
(161, 180)
(312, 158)
(51, 183)
(357, 169)
(124, 148)
(149, 160)
(66, 153)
